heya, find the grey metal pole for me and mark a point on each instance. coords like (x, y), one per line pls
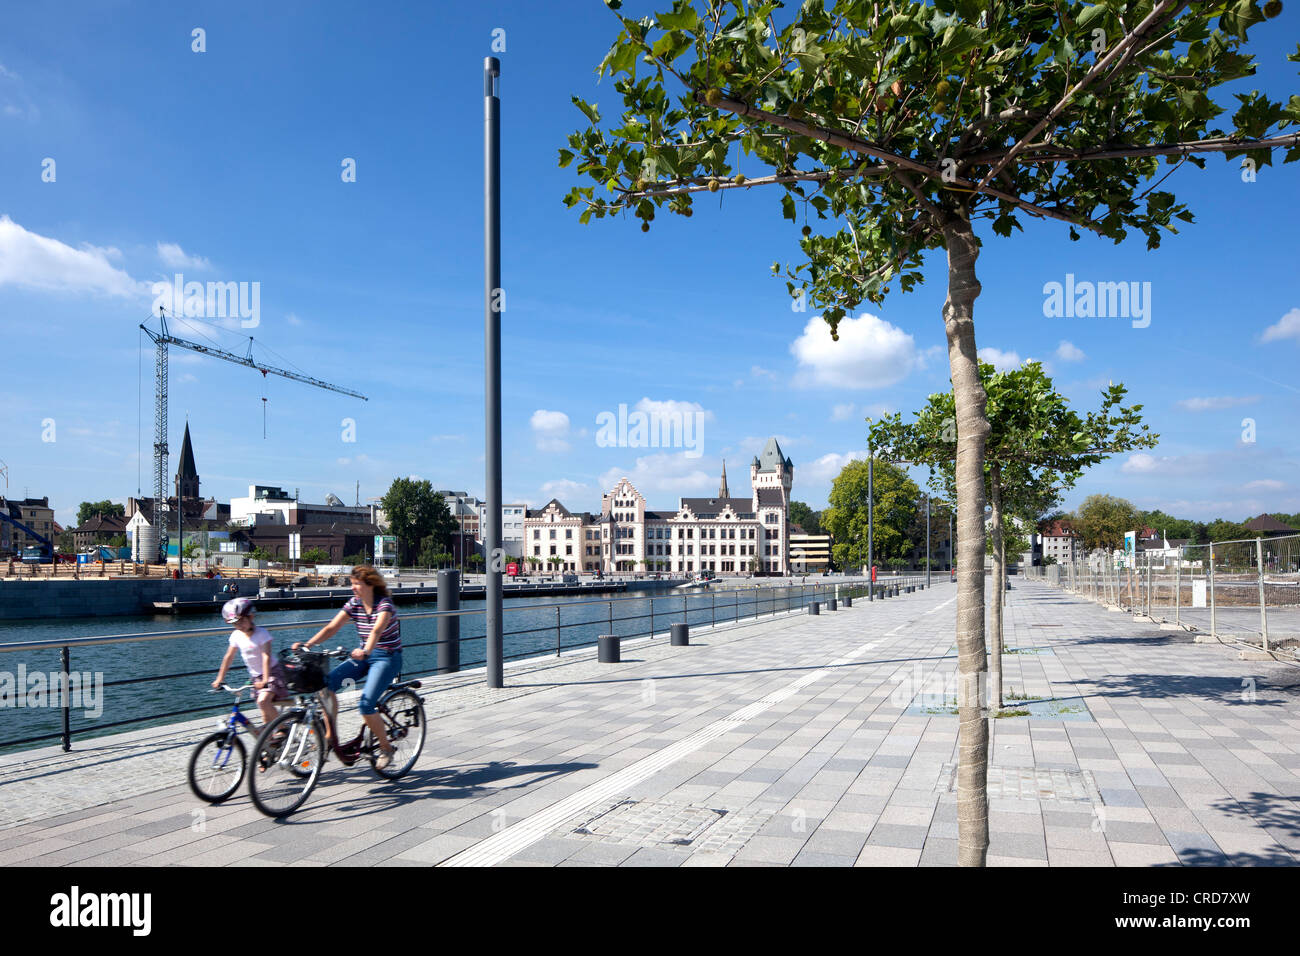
(492, 305)
(1148, 585)
(1263, 612)
(871, 509)
(927, 541)
(1213, 623)
(180, 528)
(1178, 589)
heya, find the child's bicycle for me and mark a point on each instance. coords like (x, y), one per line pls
(217, 764)
(291, 749)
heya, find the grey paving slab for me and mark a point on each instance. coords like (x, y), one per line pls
(1169, 766)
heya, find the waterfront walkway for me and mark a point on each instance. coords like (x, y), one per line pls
(798, 740)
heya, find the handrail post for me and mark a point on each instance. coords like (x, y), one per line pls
(557, 630)
(1213, 623)
(652, 618)
(65, 660)
(1263, 612)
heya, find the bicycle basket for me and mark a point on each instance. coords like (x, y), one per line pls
(304, 671)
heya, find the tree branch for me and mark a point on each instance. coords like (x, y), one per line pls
(1222, 144)
(1161, 12)
(896, 160)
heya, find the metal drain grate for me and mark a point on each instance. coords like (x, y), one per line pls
(650, 824)
(1028, 783)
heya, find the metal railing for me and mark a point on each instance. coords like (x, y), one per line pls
(1247, 590)
(639, 616)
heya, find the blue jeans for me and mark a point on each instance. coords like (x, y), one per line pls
(379, 670)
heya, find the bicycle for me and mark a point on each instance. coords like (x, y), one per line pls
(291, 750)
(213, 775)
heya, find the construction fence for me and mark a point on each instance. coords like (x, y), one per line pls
(1243, 590)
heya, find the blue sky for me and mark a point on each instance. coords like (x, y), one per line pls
(226, 165)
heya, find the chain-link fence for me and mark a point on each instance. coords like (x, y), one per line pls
(1242, 590)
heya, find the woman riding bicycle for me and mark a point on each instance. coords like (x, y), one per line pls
(378, 661)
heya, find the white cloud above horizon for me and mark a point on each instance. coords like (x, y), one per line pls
(174, 257)
(1215, 403)
(34, 261)
(550, 430)
(870, 353)
(1069, 352)
(1287, 327)
(1000, 360)
(662, 475)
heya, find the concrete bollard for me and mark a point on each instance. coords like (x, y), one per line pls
(680, 635)
(834, 604)
(848, 602)
(608, 648)
(815, 608)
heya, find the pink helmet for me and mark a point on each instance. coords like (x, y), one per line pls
(234, 609)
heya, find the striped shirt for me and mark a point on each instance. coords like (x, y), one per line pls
(391, 639)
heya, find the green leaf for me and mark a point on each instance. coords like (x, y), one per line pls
(683, 18)
(587, 108)
(788, 209)
(1089, 14)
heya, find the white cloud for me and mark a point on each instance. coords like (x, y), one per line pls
(1000, 360)
(38, 262)
(293, 319)
(1263, 484)
(758, 372)
(672, 410)
(842, 413)
(1069, 352)
(550, 430)
(1287, 327)
(870, 353)
(567, 491)
(174, 257)
(1210, 404)
(186, 378)
(1140, 464)
(667, 476)
(827, 467)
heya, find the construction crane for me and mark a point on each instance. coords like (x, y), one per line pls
(153, 541)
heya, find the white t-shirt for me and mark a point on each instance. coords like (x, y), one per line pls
(250, 646)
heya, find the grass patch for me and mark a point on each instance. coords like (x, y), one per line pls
(1012, 713)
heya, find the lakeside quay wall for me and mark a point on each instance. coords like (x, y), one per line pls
(116, 597)
(99, 598)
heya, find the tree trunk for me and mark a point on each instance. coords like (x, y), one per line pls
(998, 578)
(972, 433)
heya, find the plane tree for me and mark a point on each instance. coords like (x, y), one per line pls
(1037, 448)
(903, 128)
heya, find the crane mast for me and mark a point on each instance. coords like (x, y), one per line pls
(151, 539)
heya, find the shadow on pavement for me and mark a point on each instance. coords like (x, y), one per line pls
(1224, 690)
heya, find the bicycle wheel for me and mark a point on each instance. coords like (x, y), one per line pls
(403, 714)
(289, 755)
(217, 766)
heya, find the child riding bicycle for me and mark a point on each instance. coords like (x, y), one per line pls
(254, 644)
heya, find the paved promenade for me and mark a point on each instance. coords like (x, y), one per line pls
(797, 740)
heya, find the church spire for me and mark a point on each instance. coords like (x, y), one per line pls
(723, 492)
(186, 474)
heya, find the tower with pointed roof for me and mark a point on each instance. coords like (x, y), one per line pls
(771, 470)
(723, 492)
(187, 477)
